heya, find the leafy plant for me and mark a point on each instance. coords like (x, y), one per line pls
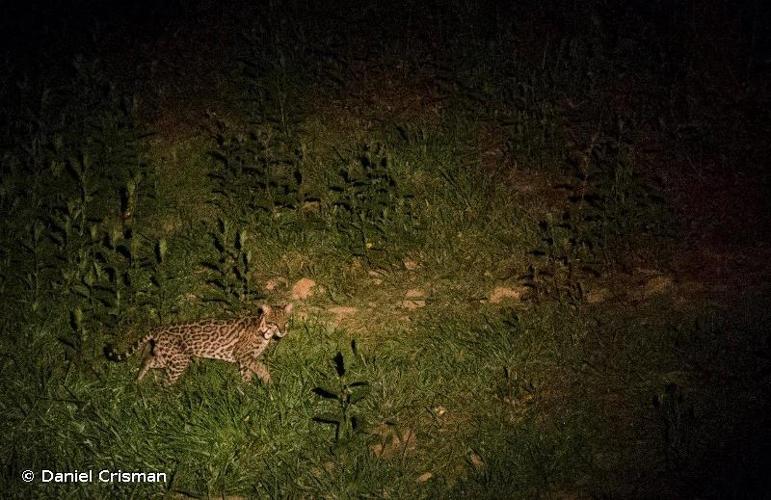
(260, 169)
(103, 267)
(70, 219)
(610, 208)
(560, 261)
(79, 342)
(609, 197)
(33, 279)
(78, 147)
(345, 395)
(103, 279)
(273, 77)
(231, 279)
(161, 278)
(254, 173)
(369, 201)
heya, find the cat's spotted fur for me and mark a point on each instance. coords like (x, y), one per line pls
(241, 340)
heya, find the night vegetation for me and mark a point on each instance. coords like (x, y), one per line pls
(544, 224)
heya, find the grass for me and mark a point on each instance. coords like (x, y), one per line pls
(408, 215)
(508, 406)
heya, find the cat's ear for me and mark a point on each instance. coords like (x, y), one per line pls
(265, 309)
(288, 308)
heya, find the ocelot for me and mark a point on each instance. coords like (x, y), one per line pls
(241, 340)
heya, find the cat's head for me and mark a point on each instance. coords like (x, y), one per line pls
(275, 320)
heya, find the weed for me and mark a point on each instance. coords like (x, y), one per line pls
(611, 208)
(560, 261)
(33, 280)
(346, 395)
(252, 174)
(232, 274)
(369, 202)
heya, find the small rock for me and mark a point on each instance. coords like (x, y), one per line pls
(424, 477)
(303, 289)
(501, 293)
(476, 461)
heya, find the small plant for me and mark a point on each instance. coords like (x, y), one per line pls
(345, 395)
(33, 280)
(610, 201)
(255, 172)
(516, 389)
(561, 260)
(369, 202)
(79, 342)
(104, 267)
(610, 208)
(160, 278)
(232, 272)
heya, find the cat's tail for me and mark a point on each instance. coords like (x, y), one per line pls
(112, 355)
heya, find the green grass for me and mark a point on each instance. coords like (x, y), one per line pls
(535, 400)
(553, 395)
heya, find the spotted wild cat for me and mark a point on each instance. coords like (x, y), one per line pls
(240, 340)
